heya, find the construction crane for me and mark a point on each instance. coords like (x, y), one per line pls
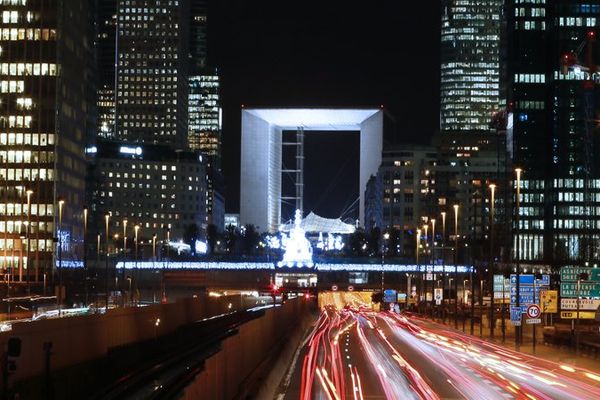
(571, 61)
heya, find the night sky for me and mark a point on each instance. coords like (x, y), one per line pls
(327, 53)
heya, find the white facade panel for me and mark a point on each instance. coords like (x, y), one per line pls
(260, 177)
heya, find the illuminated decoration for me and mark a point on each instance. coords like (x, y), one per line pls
(68, 264)
(273, 242)
(332, 243)
(298, 251)
(200, 247)
(250, 266)
(131, 150)
(316, 223)
(180, 247)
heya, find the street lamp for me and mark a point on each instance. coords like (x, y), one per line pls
(517, 256)
(386, 236)
(455, 266)
(61, 203)
(28, 264)
(136, 229)
(85, 269)
(464, 302)
(444, 275)
(418, 242)
(106, 219)
(124, 237)
(491, 262)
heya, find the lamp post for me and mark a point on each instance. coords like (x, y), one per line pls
(464, 301)
(517, 256)
(97, 267)
(491, 262)
(418, 242)
(136, 229)
(106, 219)
(124, 237)
(432, 257)
(116, 244)
(455, 266)
(386, 236)
(154, 258)
(27, 266)
(85, 270)
(444, 275)
(61, 203)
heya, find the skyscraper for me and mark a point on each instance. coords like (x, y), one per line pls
(45, 53)
(152, 48)
(553, 96)
(470, 69)
(204, 110)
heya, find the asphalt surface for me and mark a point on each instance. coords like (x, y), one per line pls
(357, 354)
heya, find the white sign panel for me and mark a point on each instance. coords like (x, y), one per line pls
(584, 304)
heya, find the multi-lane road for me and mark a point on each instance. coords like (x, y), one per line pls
(357, 354)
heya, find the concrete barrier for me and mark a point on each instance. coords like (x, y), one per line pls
(77, 340)
(228, 373)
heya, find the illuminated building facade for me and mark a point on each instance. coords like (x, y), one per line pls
(421, 182)
(152, 72)
(204, 111)
(554, 103)
(152, 186)
(106, 23)
(470, 67)
(45, 53)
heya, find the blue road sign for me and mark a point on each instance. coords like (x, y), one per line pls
(390, 296)
(515, 315)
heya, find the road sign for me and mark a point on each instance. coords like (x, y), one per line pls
(571, 274)
(350, 288)
(584, 304)
(515, 315)
(533, 311)
(390, 296)
(334, 287)
(582, 314)
(527, 280)
(586, 289)
(438, 295)
(533, 321)
(549, 301)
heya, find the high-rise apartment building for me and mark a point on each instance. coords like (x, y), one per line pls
(554, 102)
(45, 109)
(470, 68)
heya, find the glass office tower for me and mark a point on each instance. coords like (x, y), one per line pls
(470, 69)
(45, 53)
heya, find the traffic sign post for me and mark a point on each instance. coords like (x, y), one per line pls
(533, 311)
(515, 315)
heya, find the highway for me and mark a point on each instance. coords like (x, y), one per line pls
(355, 353)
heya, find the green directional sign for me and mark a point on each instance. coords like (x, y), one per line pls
(570, 274)
(586, 289)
